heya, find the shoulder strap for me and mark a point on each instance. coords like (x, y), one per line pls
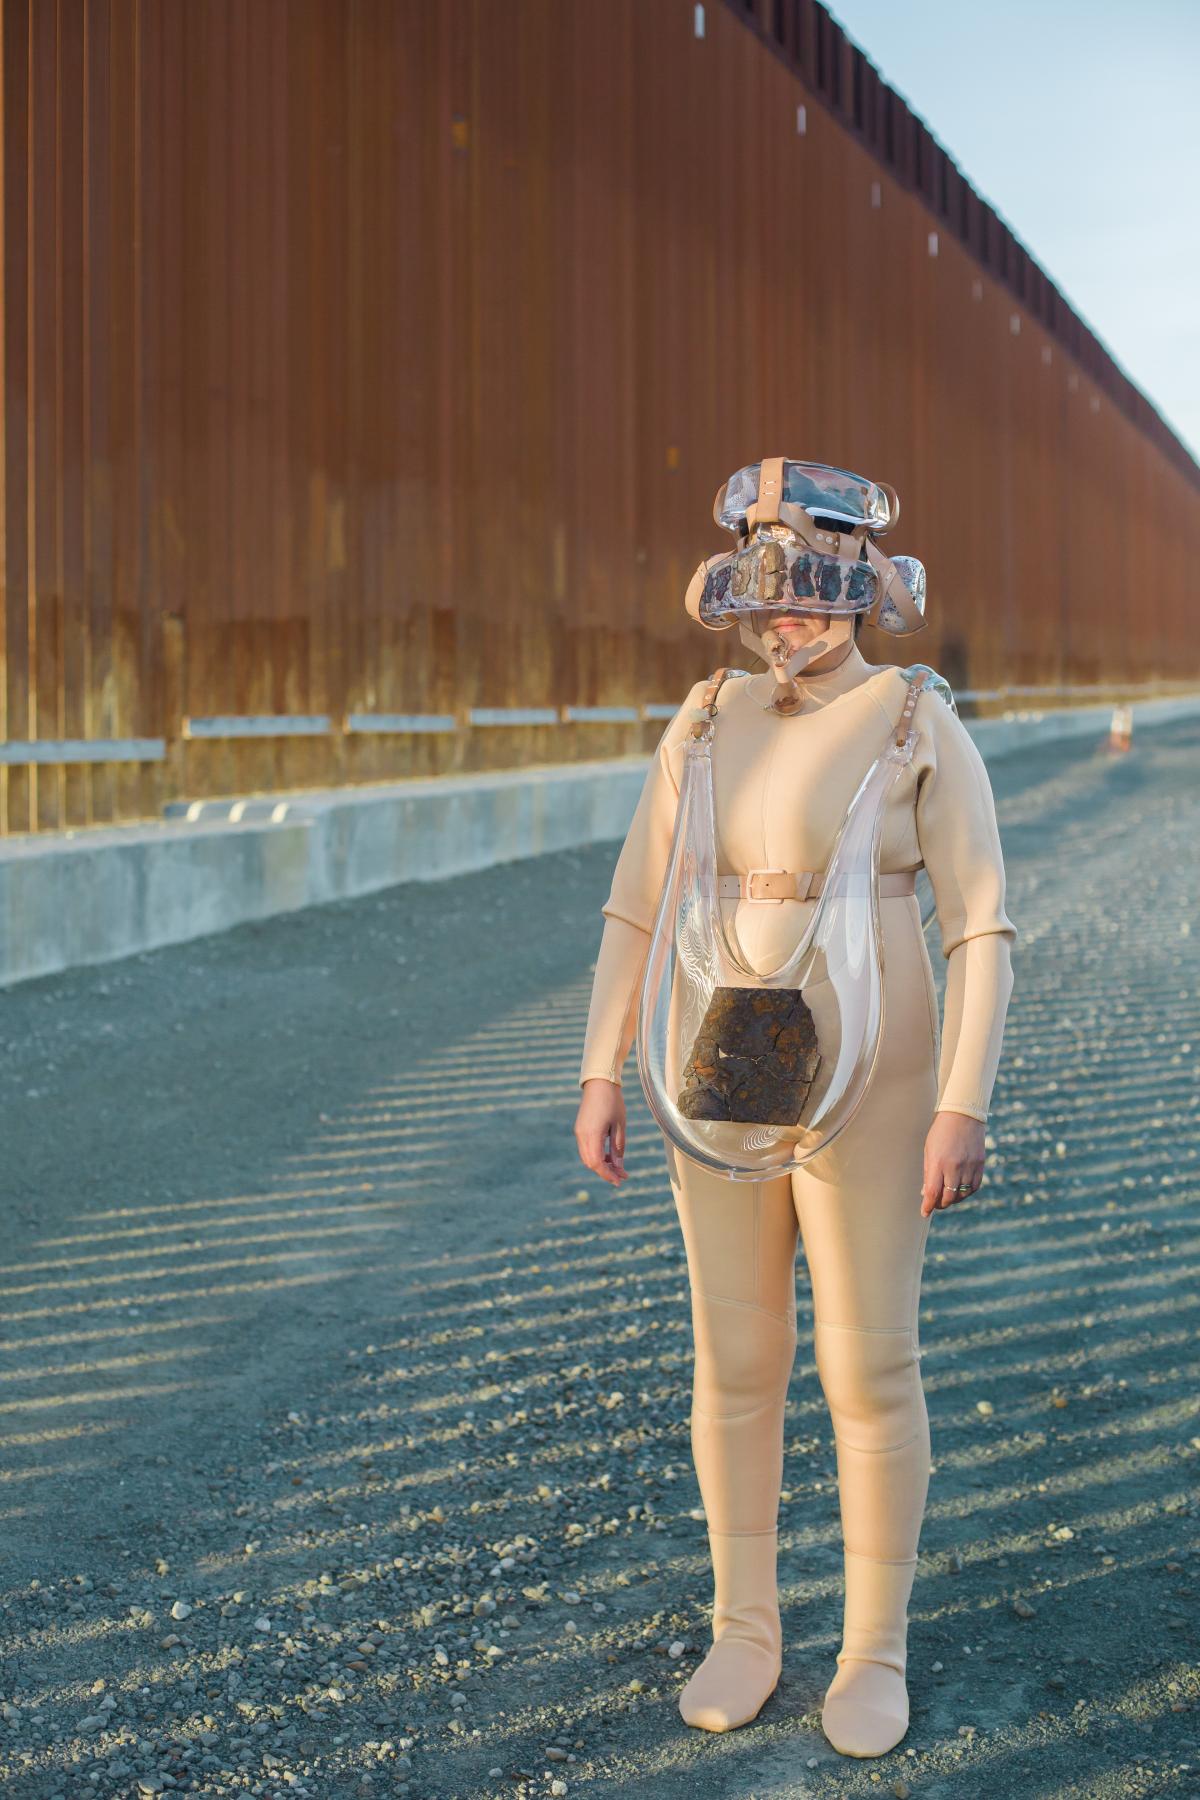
(910, 701)
(703, 725)
(716, 681)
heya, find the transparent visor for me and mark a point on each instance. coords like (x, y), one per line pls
(818, 488)
(772, 572)
(755, 1056)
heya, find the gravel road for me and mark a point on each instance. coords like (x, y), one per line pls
(345, 1416)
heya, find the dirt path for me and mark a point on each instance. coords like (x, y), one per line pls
(344, 1417)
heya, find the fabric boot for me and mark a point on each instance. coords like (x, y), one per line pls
(866, 1707)
(742, 1670)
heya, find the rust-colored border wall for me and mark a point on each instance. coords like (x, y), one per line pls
(368, 357)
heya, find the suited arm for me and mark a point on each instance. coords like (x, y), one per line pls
(630, 907)
(960, 845)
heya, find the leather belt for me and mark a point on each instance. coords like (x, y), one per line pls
(770, 887)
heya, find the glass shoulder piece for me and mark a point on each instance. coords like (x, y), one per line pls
(934, 683)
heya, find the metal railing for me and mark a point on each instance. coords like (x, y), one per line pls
(281, 725)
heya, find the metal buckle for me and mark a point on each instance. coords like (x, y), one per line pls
(763, 899)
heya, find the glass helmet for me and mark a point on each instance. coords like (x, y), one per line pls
(806, 543)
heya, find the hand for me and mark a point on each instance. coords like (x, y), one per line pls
(600, 1121)
(954, 1157)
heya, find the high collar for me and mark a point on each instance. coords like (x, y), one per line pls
(820, 687)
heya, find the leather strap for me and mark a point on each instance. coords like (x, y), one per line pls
(770, 491)
(784, 884)
(910, 702)
(708, 700)
(893, 507)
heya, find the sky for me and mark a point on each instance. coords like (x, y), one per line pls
(1080, 125)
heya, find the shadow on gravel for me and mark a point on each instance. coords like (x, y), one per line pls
(345, 1418)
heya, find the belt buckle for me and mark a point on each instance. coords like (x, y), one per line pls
(763, 899)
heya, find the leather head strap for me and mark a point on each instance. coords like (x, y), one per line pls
(835, 543)
(893, 506)
(891, 587)
(789, 680)
(765, 510)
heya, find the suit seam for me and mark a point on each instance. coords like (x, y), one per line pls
(748, 1305)
(748, 1412)
(879, 1449)
(829, 1325)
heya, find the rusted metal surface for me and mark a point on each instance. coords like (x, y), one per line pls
(377, 362)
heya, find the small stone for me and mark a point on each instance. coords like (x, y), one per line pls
(985, 1407)
(262, 1623)
(554, 1754)
(1023, 1609)
(558, 1786)
(901, 1789)
(180, 1610)
(937, 1667)
(676, 1649)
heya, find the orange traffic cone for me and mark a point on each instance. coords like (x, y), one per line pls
(1120, 732)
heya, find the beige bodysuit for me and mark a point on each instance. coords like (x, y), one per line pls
(781, 790)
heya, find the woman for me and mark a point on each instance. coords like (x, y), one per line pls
(863, 1205)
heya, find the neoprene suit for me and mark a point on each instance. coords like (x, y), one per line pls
(781, 790)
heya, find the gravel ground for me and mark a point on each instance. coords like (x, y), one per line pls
(345, 1417)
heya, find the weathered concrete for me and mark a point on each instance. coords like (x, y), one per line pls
(74, 897)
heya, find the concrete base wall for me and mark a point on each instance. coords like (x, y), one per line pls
(93, 895)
